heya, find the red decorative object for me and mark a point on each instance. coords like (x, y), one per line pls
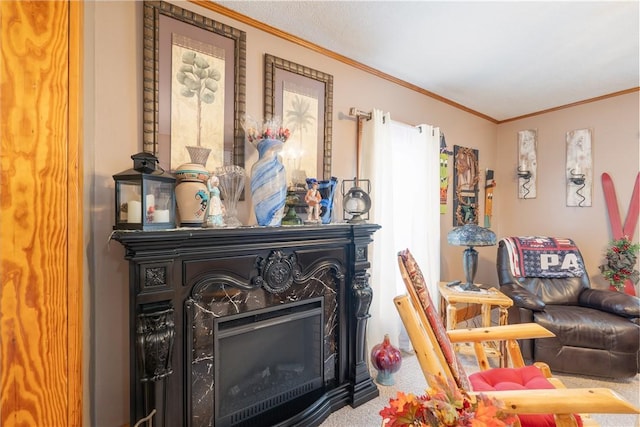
(628, 288)
(387, 360)
(617, 228)
(619, 267)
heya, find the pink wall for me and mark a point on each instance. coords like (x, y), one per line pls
(113, 131)
(615, 132)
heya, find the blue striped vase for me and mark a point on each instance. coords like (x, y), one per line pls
(269, 184)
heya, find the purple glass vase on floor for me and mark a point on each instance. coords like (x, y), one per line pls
(387, 360)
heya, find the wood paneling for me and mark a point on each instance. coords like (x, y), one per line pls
(40, 215)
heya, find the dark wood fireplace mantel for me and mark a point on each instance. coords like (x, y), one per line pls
(184, 282)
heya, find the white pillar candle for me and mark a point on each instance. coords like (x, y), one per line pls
(577, 170)
(134, 210)
(151, 203)
(161, 215)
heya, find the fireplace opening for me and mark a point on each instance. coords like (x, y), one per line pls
(265, 358)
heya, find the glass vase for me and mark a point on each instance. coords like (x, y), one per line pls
(387, 360)
(232, 179)
(269, 183)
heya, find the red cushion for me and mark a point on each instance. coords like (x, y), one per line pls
(527, 378)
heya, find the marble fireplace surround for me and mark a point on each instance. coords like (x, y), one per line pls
(185, 283)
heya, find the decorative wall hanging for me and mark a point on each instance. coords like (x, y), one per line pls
(444, 173)
(618, 229)
(303, 98)
(489, 185)
(194, 88)
(579, 168)
(527, 169)
(465, 182)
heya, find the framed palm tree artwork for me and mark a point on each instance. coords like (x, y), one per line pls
(303, 99)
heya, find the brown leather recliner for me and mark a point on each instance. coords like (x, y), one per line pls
(597, 331)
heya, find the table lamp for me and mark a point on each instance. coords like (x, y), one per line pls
(471, 235)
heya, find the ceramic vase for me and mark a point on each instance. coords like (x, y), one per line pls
(192, 194)
(269, 183)
(387, 360)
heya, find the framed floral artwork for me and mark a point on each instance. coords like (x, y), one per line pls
(194, 83)
(303, 99)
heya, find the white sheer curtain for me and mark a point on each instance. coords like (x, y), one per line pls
(402, 163)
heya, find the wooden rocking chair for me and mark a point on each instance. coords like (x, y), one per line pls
(528, 391)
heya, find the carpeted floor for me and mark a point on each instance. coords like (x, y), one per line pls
(410, 379)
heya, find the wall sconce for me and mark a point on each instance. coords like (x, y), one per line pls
(578, 179)
(579, 168)
(524, 181)
(527, 163)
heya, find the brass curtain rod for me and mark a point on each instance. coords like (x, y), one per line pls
(359, 113)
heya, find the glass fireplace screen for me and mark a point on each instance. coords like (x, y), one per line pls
(262, 359)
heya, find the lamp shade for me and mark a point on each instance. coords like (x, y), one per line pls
(471, 235)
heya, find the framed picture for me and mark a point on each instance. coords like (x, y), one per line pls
(465, 183)
(303, 99)
(194, 88)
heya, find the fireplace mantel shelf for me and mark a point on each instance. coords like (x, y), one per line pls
(185, 283)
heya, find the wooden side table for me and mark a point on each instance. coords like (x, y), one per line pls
(487, 298)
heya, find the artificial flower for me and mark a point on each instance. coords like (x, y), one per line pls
(269, 129)
(445, 405)
(620, 263)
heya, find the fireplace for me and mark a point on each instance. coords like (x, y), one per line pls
(249, 326)
(281, 359)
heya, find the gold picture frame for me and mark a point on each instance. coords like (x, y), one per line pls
(307, 95)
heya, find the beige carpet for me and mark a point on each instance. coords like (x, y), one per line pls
(410, 379)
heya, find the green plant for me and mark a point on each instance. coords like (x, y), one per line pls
(620, 262)
(199, 80)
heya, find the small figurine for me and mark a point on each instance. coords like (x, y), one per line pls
(216, 209)
(313, 199)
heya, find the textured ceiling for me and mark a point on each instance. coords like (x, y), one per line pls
(500, 59)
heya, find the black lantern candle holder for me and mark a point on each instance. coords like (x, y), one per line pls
(145, 196)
